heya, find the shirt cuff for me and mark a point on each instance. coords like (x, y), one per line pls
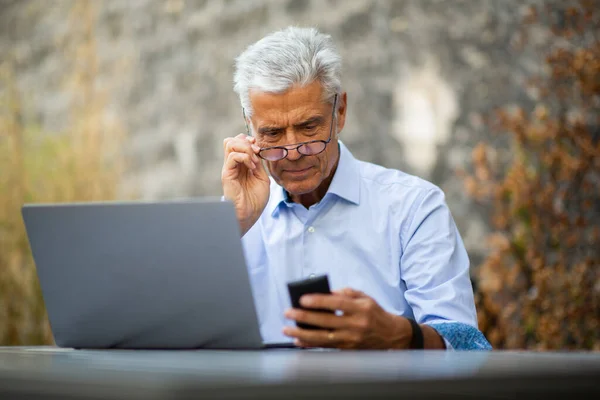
(460, 336)
(448, 344)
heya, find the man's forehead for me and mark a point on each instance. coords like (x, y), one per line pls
(295, 98)
(286, 112)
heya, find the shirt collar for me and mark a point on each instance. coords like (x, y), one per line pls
(345, 183)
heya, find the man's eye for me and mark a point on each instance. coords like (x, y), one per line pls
(310, 127)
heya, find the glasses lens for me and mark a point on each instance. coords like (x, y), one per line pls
(312, 148)
(273, 154)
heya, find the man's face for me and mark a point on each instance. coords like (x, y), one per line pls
(295, 116)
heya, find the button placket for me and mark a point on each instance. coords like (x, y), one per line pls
(308, 246)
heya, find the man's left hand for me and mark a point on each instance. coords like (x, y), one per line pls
(363, 324)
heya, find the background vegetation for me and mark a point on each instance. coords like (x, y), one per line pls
(539, 288)
(80, 164)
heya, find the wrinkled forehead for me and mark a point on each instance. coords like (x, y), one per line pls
(293, 104)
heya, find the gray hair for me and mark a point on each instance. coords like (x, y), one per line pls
(285, 58)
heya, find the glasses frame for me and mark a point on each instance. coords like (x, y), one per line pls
(296, 146)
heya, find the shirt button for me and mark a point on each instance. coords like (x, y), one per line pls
(311, 229)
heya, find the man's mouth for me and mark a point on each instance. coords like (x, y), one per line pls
(297, 171)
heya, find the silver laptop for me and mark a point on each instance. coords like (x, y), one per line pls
(144, 275)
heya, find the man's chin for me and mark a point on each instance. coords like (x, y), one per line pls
(295, 188)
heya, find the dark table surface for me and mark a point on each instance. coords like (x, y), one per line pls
(52, 373)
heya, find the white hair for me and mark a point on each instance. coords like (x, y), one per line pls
(293, 56)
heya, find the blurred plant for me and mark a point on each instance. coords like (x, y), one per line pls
(81, 164)
(539, 288)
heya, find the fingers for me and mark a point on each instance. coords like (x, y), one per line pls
(320, 337)
(241, 136)
(355, 294)
(356, 327)
(241, 143)
(331, 302)
(234, 159)
(241, 150)
(318, 318)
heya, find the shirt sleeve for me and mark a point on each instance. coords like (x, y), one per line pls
(459, 336)
(435, 266)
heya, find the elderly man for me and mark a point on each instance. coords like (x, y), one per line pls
(387, 240)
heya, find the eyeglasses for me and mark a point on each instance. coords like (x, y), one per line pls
(311, 148)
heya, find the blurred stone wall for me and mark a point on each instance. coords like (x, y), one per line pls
(419, 75)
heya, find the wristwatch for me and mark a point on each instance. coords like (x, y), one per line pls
(416, 341)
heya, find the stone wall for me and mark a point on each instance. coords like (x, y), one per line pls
(420, 74)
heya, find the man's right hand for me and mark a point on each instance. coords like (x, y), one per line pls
(245, 180)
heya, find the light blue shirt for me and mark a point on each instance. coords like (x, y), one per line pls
(377, 230)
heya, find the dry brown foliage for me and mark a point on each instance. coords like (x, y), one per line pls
(80, 164)
(539, 287)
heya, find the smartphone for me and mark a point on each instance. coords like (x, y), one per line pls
(318, 284)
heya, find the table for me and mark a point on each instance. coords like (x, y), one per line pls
(53, 373)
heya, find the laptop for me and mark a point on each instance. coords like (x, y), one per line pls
(144, 275)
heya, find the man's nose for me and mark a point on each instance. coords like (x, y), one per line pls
(293, 154)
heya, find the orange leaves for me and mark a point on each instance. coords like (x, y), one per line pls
(539, 286)
(480, 185)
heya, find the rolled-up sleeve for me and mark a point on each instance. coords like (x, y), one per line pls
(435, 268)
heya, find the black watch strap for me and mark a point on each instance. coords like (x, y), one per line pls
(416, 341)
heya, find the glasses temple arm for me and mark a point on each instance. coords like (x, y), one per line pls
(246, 122)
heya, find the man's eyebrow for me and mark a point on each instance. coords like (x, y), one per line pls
(267, 129)
(314, 120)
(273, 128)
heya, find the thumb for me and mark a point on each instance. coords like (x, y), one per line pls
(349, 292)
(261, 172)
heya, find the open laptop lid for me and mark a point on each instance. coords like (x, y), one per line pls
(143, 274)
